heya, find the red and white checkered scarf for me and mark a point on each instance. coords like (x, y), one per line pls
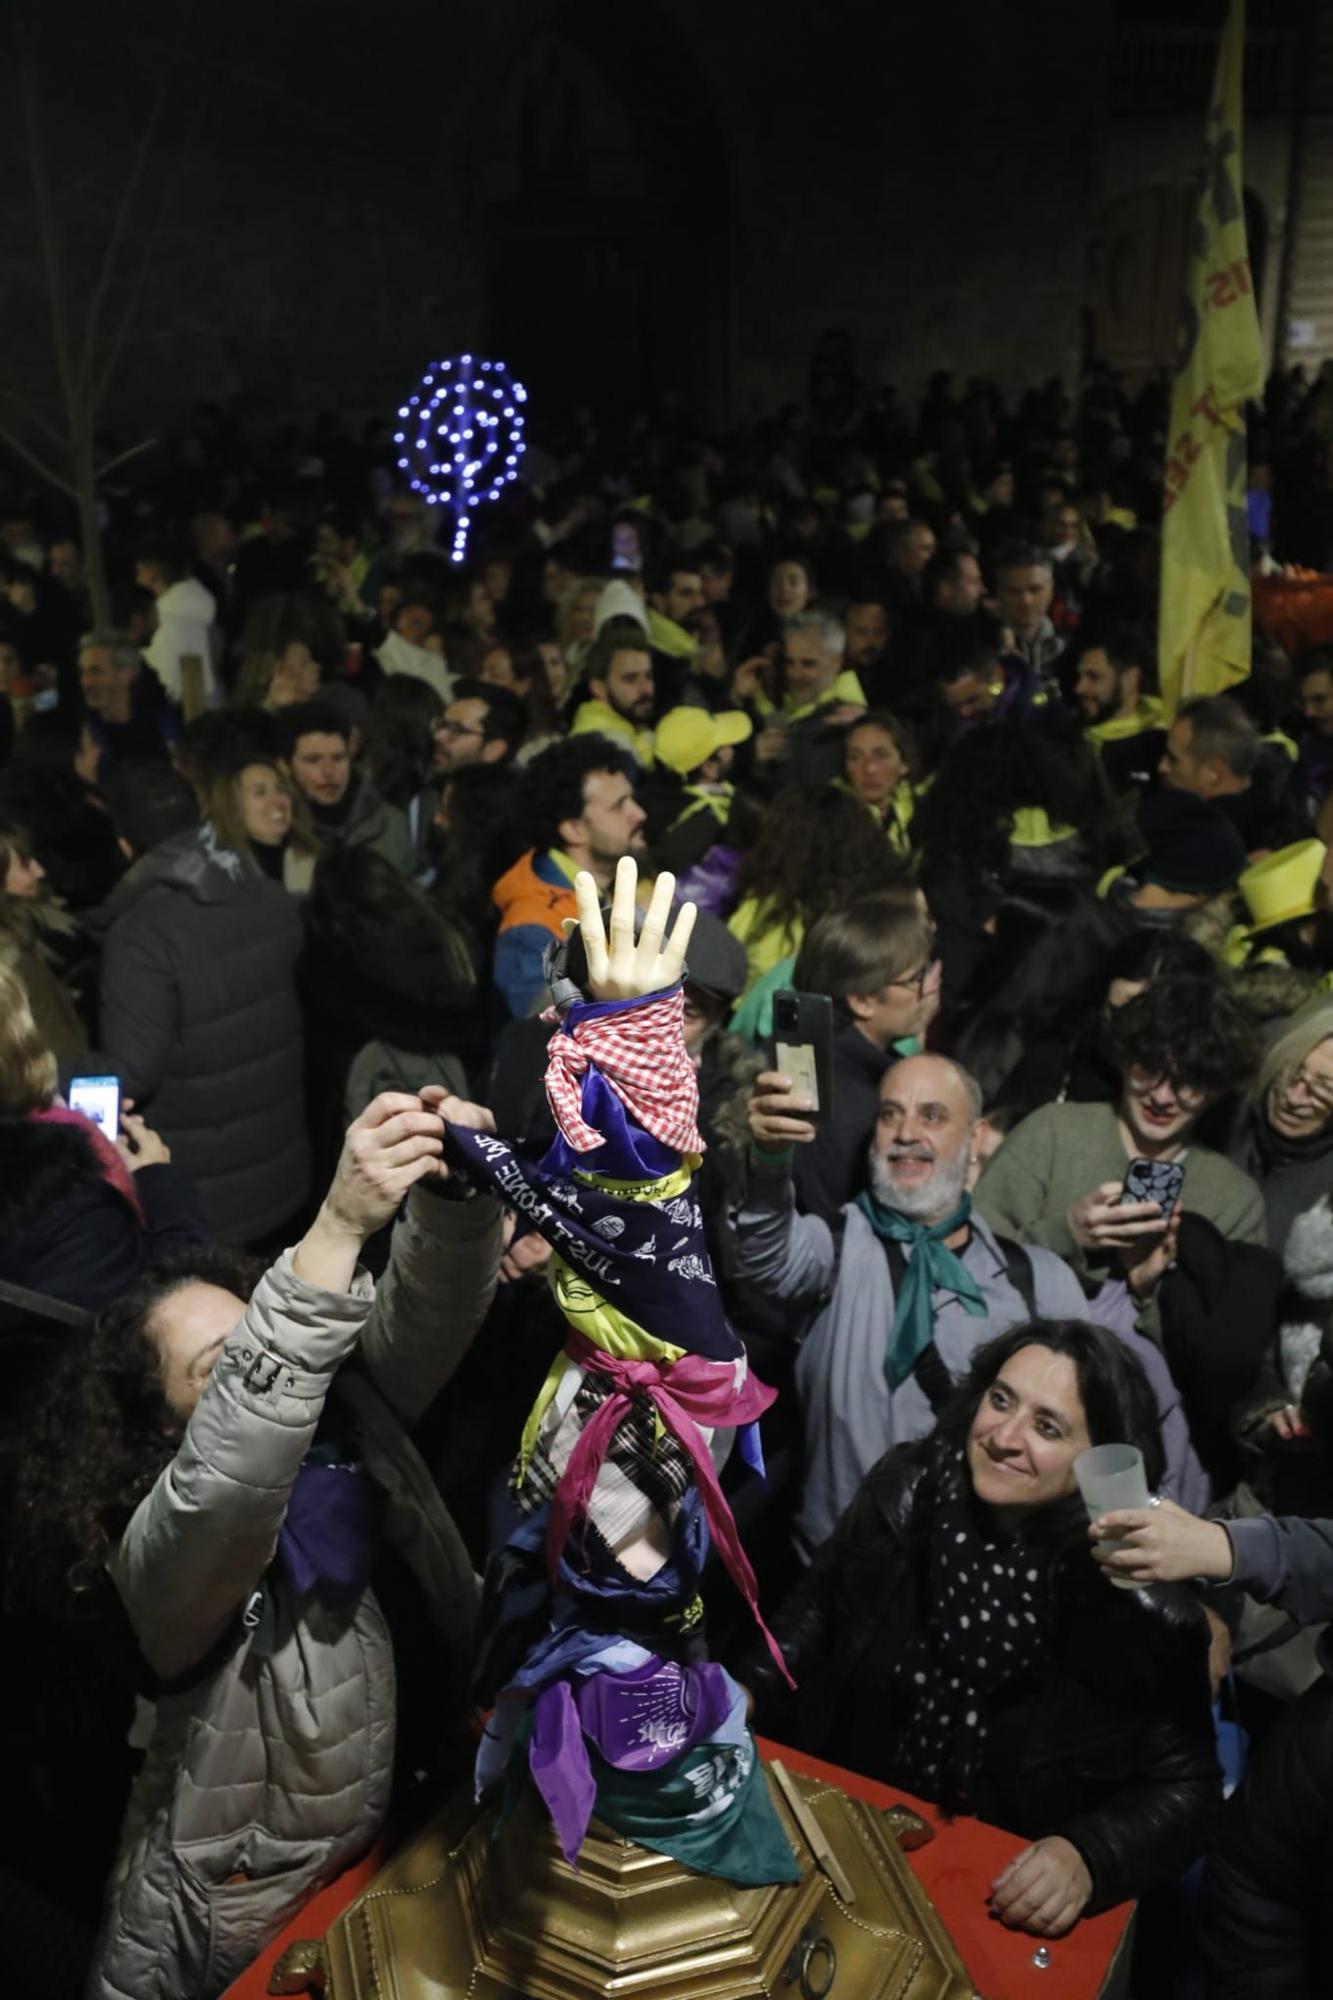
(640, 1052)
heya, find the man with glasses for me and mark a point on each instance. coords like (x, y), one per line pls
(483, 724)
(1057, 1179)
(876, 960)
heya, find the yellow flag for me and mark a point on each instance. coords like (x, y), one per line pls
(1204, 629)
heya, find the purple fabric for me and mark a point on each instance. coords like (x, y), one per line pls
(558, 1760)
(713, 883)
(327, 1539)
(640, 1721)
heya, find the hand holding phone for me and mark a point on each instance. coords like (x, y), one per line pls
(1154, 1180)
(98, 1099)
(803, 1047)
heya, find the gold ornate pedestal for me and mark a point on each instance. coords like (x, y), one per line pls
(460, 1916)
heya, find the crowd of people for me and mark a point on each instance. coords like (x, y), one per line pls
(289, 829)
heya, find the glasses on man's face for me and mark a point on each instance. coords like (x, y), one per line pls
(915, 982)
(1318, 1088)
(457, 729)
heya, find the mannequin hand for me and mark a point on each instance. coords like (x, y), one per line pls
(625, 970)
(1045, 1889)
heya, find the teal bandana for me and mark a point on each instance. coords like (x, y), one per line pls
(930, 1268)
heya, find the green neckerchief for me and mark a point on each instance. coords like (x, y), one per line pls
(931, 1267)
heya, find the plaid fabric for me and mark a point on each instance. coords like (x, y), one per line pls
(647, 1471)
(640, 1054)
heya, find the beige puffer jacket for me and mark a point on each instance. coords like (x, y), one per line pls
(268, 1774)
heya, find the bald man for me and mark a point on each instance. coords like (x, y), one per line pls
(881, 1356)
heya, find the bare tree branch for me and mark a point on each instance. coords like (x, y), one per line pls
(129, 194)
(54, 436)
(25, 452)
(124, 456)
(48, 228)
(133, 301)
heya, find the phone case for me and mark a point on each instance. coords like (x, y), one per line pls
(803, 1047)
(1154, 1180)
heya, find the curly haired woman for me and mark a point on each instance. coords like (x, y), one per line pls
(236, 1471)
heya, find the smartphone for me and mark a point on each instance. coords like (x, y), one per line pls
(803, 1037)
(98, 1098)
(626, 550)
(1154, 1180)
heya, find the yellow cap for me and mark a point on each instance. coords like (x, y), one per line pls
(687, 737)
(1282, 886)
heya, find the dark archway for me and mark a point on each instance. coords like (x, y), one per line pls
(605, 210)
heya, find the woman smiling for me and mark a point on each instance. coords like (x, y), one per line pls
(953, 1636)
(1286, 1137)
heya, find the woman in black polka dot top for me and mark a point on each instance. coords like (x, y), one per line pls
(954, 1636)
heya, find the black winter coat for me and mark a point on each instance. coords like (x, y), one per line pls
(200, 1020)
(66, 1232)
(1266, 1925)
(1112, 1748)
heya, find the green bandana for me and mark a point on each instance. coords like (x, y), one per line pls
(930, 1268)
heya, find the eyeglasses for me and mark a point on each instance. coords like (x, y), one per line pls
(457, 729)
(915, 982)
(1319, 1088)
(1142, 1083)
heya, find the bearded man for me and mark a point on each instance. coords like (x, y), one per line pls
(907, 1282)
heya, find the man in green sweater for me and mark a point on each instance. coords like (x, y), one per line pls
(1057, 1179)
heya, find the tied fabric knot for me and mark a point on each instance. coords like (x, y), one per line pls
(931, 1267)
(684, 1393)
(637, 1049)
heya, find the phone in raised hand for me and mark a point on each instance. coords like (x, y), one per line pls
(803, 1046)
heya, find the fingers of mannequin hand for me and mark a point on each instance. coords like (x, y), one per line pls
(588, 898)
(655, 923)
(622, 910)
(678, 944)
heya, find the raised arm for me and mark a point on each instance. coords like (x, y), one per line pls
(437, 1290)
(781, 1253)
(199, 1542)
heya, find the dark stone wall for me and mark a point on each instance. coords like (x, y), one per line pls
(630, 198)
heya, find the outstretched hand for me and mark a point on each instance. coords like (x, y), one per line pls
(623, 968)
(397, 1141)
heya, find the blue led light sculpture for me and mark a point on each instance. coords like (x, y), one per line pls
(461, 437)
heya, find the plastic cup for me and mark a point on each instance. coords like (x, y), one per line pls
(1112, 1476)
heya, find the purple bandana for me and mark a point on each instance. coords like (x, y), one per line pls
(637, 1721)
